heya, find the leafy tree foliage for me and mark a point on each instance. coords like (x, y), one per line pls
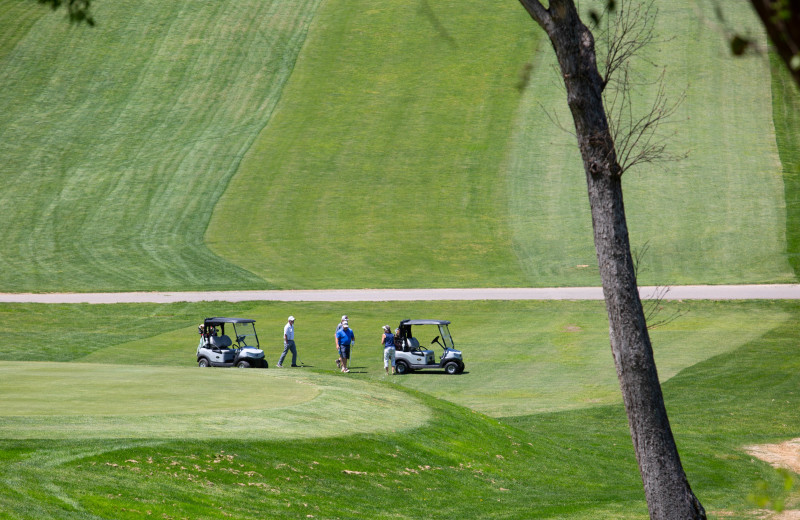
(77, 10)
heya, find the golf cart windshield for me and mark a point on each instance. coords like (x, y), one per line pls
(246, 334)
(241, 331)
(445, 334)
(411, 341)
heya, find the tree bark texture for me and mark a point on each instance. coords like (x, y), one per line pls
(667, 490)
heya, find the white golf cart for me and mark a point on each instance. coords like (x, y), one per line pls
(410, 356)
(216, 349)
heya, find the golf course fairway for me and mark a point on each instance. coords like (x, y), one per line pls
(118, 401)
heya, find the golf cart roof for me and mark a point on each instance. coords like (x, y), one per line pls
(219, 321)
(424, 322)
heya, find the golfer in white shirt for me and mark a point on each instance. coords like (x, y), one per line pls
(288, 343)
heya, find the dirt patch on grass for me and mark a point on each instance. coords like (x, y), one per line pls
(783, 455)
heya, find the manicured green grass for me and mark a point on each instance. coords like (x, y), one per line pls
(94, 401)
(726, 390)
(786, 114)
(521, 357)
(715, 217)
(118, 140)
(397, 152)
(380, 166)
(21, 16)
(391, 147)
(325, 170)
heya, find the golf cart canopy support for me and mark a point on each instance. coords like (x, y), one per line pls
(219, 321)
(424, 322)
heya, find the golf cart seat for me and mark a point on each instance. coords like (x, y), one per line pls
(412, 343)
(221, 341)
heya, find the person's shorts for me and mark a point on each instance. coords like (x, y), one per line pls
(388, 356)
(344, 351)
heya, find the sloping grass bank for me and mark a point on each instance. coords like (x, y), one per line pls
(118, 140)
(360, 144)
(381, 165)
(715, 217)
(726, 391)
(462, 465)
(716, 407)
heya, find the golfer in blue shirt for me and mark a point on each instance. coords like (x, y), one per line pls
(345, 339)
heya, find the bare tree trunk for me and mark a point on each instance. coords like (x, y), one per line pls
(667, 490)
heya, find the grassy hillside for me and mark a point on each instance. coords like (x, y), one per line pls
(380, 167)
(360, 144)
(118, 140)
(309, 441)
(372, 154)
(301, 143)
(715, 217)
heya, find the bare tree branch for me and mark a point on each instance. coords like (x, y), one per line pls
(652, 304)
(626, 33)
(638, 138)
(653, 307)
(539, 14)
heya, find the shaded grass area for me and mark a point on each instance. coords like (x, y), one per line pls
(380, 166)
(118, 140)
(463, 465)
(716, 407)
(786, 114)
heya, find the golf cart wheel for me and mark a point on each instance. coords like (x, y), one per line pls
(203, 363)
(451, 368)
(401, 367)
(242, 364)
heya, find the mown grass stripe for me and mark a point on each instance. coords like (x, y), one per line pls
(370, 137)
(101, 401)
(786, 107)
(132, 157)
(714, 217)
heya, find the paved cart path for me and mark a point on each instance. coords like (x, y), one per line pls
(678, 292)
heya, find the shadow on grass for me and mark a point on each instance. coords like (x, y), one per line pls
(433, 372)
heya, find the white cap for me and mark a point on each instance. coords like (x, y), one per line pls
(345, 325)
(291, 318)
(344, 318)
